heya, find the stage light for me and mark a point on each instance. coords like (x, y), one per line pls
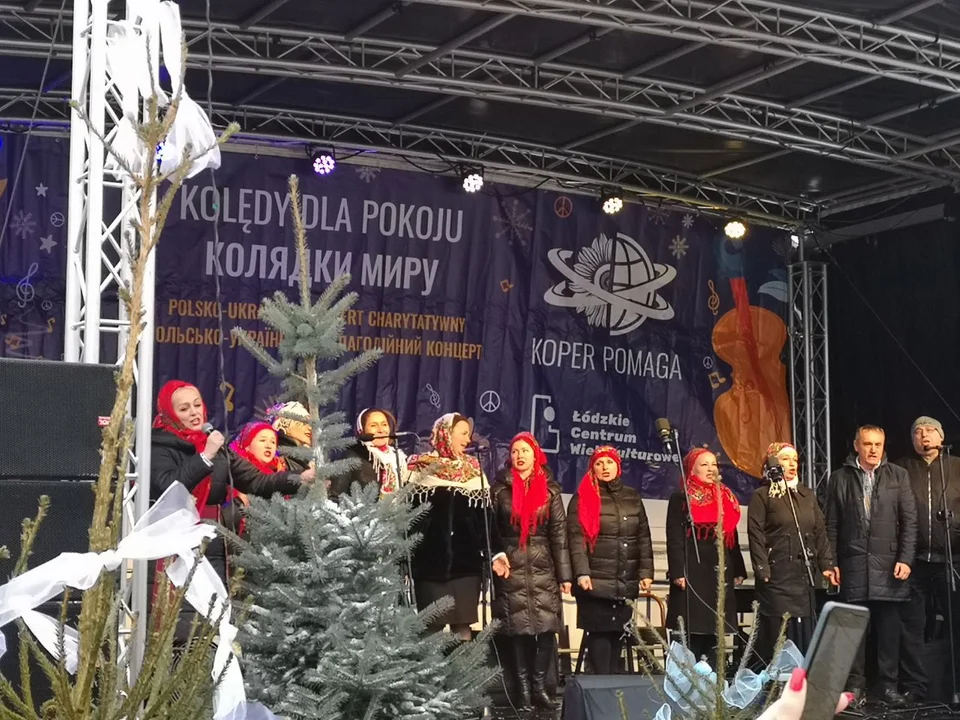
(611, 200)
(472, 179)
(323, 162)
(735, 230)
(794, 240)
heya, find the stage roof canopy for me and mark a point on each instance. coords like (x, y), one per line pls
(785, 112)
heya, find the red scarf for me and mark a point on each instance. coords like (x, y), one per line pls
(588, 493)
(530, 496)
(241, 446)
(706, 499)
(166, 419)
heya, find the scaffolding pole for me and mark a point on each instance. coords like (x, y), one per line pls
(103, 205)
(810, 365)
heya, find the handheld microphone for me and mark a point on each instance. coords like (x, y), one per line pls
(207, 428)
(773, 470)
(665, 432)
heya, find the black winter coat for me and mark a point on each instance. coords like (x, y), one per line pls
(295, 465)
(697, 606)
(623, 554)
(363, 473)
(782, 585)
(867, 551)
(454, 543)
(528, 602)
(925, 479)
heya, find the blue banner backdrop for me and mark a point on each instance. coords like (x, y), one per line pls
(523, 308)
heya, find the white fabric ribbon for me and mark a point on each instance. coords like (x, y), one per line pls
(208, 597)
(45, 629)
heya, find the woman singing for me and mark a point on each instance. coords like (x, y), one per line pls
(693, 584)
(292, 423)
(782, 519)
(257, 444)
(181, 451)
(449, 560)
(531, 524)
(612, 556)
(377, 458)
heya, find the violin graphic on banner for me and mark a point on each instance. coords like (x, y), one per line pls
(755, 410)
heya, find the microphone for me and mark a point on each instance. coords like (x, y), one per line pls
(481, 442)
(207, 428)
(665, 432)
(773, 470)
(370, 437)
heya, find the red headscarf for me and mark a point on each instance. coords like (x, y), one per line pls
(241, 446)
(706, 499)
(530, 496)
(589, 495)
(166, 419)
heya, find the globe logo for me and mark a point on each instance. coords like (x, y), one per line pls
(613, 282)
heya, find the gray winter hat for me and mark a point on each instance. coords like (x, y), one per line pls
(928, 421)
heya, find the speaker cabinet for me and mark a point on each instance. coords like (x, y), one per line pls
(50, 422)
(602, 697)
(64, 529)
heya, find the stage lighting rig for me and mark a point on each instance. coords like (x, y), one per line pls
(472, 179)
(735, 230)
(611, 200)
(324, 161)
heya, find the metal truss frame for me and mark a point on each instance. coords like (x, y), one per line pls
(810, 369)
(103, 203)
(525, 162)
(775, 28)
(631, 98)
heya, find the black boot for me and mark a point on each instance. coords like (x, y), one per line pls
(545, 654)
(521, 671)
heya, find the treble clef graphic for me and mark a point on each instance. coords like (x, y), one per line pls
(434, 396)
(714, 302)
(25, 291)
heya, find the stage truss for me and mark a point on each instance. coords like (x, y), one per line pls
(100, 243)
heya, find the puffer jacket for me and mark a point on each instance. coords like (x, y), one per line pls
(528, 602)
(623, 554)
(925, 479)
(868, 550)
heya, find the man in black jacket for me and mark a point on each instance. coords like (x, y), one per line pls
(871, 517)
(928, 468)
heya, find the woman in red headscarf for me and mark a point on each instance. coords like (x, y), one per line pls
(530, 525)
(183, 451)
(693, 585)
(612, 555)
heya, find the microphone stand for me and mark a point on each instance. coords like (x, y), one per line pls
(488, 573)
(672, 441)
(804, 551)
(945, 515)
(408, 570)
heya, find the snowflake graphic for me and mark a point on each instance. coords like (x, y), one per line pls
(23, 225)
(513, 220)
(678, 247)
(688, 220)
(659, 214)
(368, 173)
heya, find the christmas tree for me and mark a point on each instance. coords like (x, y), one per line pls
(329, 634)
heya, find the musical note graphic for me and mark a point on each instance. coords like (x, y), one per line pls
(3, 319)
(13, 341)
(25, 289)
(228, 390)
(50, 323)
(716, 379)
(714, 302)
(434, 396)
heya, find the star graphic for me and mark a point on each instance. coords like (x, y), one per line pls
(41, 190)
(47, 243)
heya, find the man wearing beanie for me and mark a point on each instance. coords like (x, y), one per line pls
(927, 469)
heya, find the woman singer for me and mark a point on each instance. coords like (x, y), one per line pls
(531, 524)
(783, 519)
(612, 555)
(378, 458)
(693, 582)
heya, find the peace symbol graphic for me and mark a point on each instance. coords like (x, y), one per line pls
(563, 207)
(490, 401)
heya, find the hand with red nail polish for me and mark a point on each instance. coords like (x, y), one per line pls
(790, 705)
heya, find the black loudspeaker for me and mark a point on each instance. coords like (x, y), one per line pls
(51, 417)
(608, 697)
(64, 529)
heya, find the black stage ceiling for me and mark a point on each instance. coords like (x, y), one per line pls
(783, 112)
